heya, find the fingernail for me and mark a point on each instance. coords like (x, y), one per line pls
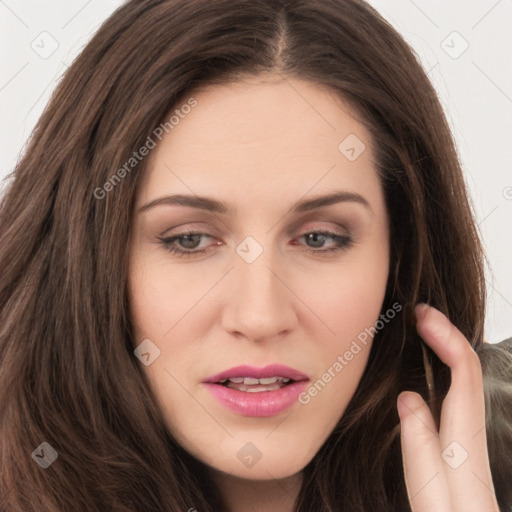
(421, 309)
(436, 317)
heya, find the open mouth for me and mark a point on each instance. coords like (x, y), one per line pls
(253, 385)
(263, 394)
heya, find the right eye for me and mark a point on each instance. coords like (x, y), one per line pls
(189, 241)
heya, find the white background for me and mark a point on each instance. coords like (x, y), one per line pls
(475, 88)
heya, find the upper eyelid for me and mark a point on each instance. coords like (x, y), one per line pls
(206, 227)
(329, 232)
(192, 231)
(345, 219)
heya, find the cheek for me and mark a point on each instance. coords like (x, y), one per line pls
(347, 296)
(350, 306)
(161, 295)
(348, 299)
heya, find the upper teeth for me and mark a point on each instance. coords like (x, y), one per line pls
(248, 381)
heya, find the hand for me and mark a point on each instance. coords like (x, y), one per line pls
(447, 471)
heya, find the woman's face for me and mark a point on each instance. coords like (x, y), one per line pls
(257, 288)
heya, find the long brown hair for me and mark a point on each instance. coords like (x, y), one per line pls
(68, 375)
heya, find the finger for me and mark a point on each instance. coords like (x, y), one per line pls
(462, 432)
(424, 470)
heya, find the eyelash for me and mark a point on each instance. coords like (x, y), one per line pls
(343, 242)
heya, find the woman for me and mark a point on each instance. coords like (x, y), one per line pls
(214, 254)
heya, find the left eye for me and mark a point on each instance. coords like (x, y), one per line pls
(190, 242)
(318, 238)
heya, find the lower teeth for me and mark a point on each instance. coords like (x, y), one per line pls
(255, 388)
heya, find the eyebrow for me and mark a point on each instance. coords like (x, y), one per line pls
(214, 206)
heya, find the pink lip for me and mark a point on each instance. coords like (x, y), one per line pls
(272, 370)
(261, 404)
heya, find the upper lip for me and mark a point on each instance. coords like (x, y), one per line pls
(272, 370)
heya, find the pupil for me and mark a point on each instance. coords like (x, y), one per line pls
(314, 238)
(189, 242)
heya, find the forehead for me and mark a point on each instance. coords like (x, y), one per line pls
(263, 138)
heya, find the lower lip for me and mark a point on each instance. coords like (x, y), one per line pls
(260, 404)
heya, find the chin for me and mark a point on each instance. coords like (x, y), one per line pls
(257, 459)
(273, 468)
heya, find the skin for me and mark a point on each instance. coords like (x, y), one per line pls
(441, 475)
(261, 145)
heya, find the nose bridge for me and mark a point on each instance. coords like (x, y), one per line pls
(259, 304)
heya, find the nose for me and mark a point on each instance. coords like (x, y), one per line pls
(260, 304)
